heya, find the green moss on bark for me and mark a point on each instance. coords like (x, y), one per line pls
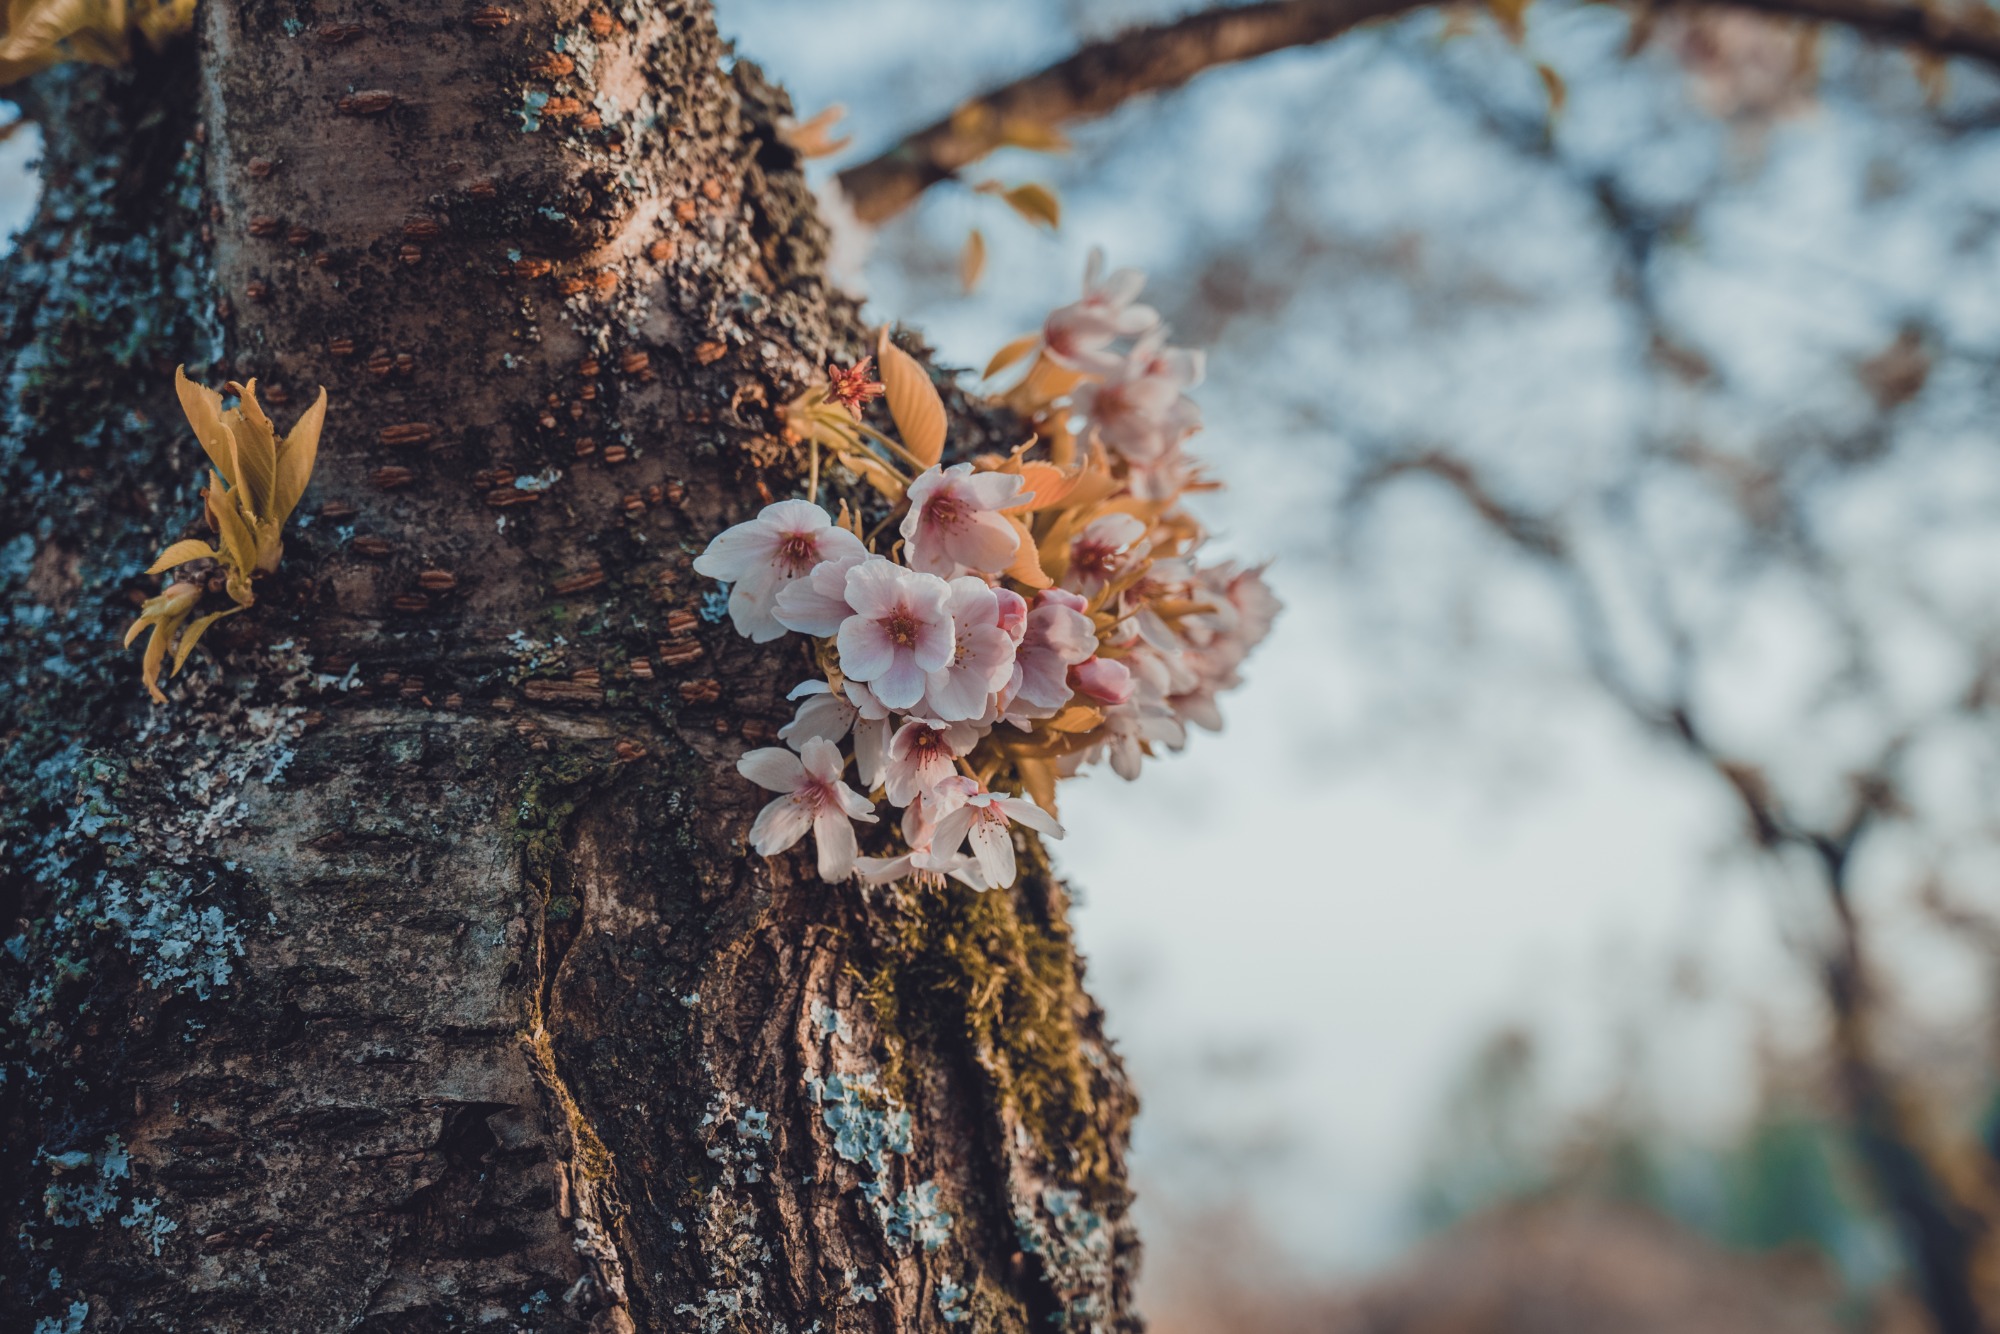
(997, 972)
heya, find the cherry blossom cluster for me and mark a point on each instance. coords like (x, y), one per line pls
(1028, 615)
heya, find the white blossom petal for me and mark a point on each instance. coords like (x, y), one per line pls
(772, 767)
(994, 850)
(871, 740)
(834, 837)
(779, 825)
(1024, 812)
(865, 651)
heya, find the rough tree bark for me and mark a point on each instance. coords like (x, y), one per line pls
(408, 971)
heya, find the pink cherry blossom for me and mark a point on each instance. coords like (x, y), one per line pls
(954, 525)
(814, 797)
(832, 716)
(929, 654)
(983, 820)
(1147, 717)
(1102, 549)
(1103, 680)
(1158, 673)
(1218, 640)
(964, 733)
(760, 557)
(1163, 580)
(822, 714)
(1162, 478)
(1256, 605)
(1013, 613)
(1079, 335)
(1128, 733)
(871, 733)
(817, 604)
(1139, 410)
(901, 629)
(921, 755)
(1061, 597)
(1059, 635)
(914, 866)
(982, 654)
(920, 817)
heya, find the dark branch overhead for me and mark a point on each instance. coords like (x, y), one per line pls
(1104, 75)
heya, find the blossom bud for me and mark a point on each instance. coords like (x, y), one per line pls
(1105, 680)
(1013, 613)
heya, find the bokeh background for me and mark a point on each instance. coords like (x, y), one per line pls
(1628, 467)
(1455, 963)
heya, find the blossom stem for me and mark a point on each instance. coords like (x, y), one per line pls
(876, 531)
(901, 453)
(812, 472)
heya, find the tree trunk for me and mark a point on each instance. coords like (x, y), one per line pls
(408, 970)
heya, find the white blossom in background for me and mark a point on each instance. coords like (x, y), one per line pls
(1079, 336)
(1140, 409)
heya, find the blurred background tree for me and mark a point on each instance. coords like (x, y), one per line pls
(1615, 386)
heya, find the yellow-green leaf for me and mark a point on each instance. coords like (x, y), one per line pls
(203, 407)
(1026, 566)
(1037, 203)
(149, 666)
(256, 453)
(1077, 718)
(1038, 780)
(814, 137)
(295, 459)
(239, 540)
(180, 553)
(975, 121)
(1047, 484)
(1558, 92)
(193, 633)
(913, 401)
(1010, 354)
(162, 19)
(36, 32)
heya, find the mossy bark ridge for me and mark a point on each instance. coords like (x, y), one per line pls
(407, 971)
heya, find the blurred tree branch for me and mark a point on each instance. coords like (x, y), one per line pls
(1943, 1199)
(1094, 82)
(1939, 1188)
(1101, 77)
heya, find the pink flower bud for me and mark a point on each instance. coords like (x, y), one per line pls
(1013, 613)
(1105, 680)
